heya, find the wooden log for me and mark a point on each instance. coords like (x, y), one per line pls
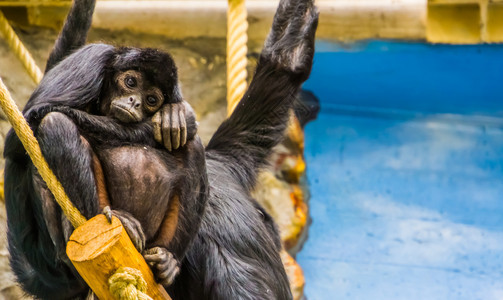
(97, 249)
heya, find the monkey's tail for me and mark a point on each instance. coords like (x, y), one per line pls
(247, 137)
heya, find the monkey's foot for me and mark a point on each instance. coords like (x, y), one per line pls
(170, 126)
(290, 44)
(132, 226)
(163, 264)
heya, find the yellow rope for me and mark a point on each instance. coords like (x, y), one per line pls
(237, 25)
(31, 145)
(128, 284)
(19, 50)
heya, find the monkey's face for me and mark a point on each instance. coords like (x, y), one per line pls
(131, 97)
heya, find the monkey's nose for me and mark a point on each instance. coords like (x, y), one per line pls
(135, 102)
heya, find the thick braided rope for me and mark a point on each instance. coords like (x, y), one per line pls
(237, 25)
(31, 145)
(128, 284)
(19, 50)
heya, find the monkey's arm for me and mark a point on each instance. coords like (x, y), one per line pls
(258, 122)
(106, 130)
(74, 32)
(101, 130)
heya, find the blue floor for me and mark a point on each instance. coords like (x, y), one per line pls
(406, 180)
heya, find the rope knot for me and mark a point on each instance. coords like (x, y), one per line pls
(128, 284)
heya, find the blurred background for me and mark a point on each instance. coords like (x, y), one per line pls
(394, 190)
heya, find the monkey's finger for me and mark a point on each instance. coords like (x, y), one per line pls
(168, 270)
(297, 21)
(168, 275)
(183, 127)
(169, 264)
(155, 258)
(166, 130)
(153, 250)
(135, 235)
(281, 17)
(156, 255)
(306, 43)
(286, 11)
(175, 126)
(133, 229)
(157, 121)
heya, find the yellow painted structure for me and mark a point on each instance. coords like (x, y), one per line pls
(456, 23)
(437, 21)
(494, 27)
(465, 21)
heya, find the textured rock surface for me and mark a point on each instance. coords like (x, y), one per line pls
(201, 64)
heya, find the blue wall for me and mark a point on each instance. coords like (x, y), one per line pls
(405, 165)
(421, 77)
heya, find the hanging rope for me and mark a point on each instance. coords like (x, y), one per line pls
(237, 25)
(19, 50)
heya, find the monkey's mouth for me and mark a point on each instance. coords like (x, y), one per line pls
(124, 114)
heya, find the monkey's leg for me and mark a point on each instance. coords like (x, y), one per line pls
(71, 160)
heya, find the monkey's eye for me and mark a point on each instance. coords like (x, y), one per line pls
(130, 82)
(151, 100)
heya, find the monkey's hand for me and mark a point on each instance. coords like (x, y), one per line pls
(174, 125)
(290, 44)
(163, 264)
(132, 226)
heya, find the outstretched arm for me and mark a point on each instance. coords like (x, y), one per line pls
(74, 32)
(258, 122)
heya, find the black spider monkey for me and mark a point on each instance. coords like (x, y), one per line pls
(235, 251)
(118, 88)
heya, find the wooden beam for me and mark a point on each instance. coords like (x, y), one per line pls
(98, 249)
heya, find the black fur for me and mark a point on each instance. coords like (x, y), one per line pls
(235, 253)
(74, 32)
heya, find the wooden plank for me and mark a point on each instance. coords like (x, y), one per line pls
(97, 249)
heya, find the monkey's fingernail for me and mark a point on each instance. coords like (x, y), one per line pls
(108, 213)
